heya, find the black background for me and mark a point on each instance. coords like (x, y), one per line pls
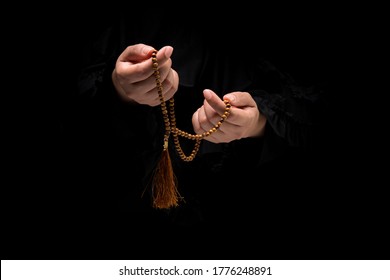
(46, 168)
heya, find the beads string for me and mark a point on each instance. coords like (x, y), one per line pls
(170, 120)
(164, 184)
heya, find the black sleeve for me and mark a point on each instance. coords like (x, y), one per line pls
(294, 110)
(132, 124)
(113, 139)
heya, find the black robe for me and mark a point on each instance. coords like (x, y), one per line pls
(97, 163)
(241, 180)
(77, 159)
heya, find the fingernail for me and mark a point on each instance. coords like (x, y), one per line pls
(147, 50)
(207, 94)
(230, 97)
(168, 51)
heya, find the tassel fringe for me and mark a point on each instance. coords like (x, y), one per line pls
(164, 185)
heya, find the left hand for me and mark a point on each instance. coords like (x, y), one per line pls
(245, 119)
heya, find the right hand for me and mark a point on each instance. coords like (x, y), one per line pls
(133, 75)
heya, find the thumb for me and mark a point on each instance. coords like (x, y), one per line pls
(240, 99)
(166, 51)
(136, 53)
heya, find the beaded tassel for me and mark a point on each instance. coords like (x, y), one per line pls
(164, 184)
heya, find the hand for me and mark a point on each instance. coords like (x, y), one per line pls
(133, 75)
(244, 120)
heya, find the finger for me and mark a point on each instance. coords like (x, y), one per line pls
(195, 122)
(168, 90)
(240, 99)
(163, 75)
(168, 86)
(137, 65)
(242, 103)
(141, 52)
(198, 121)
(136, 53)
(164, 54)
(214, 101)
(218, 136)
(215, 116)
(204, 122)
(212, 115)
(150, 83)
